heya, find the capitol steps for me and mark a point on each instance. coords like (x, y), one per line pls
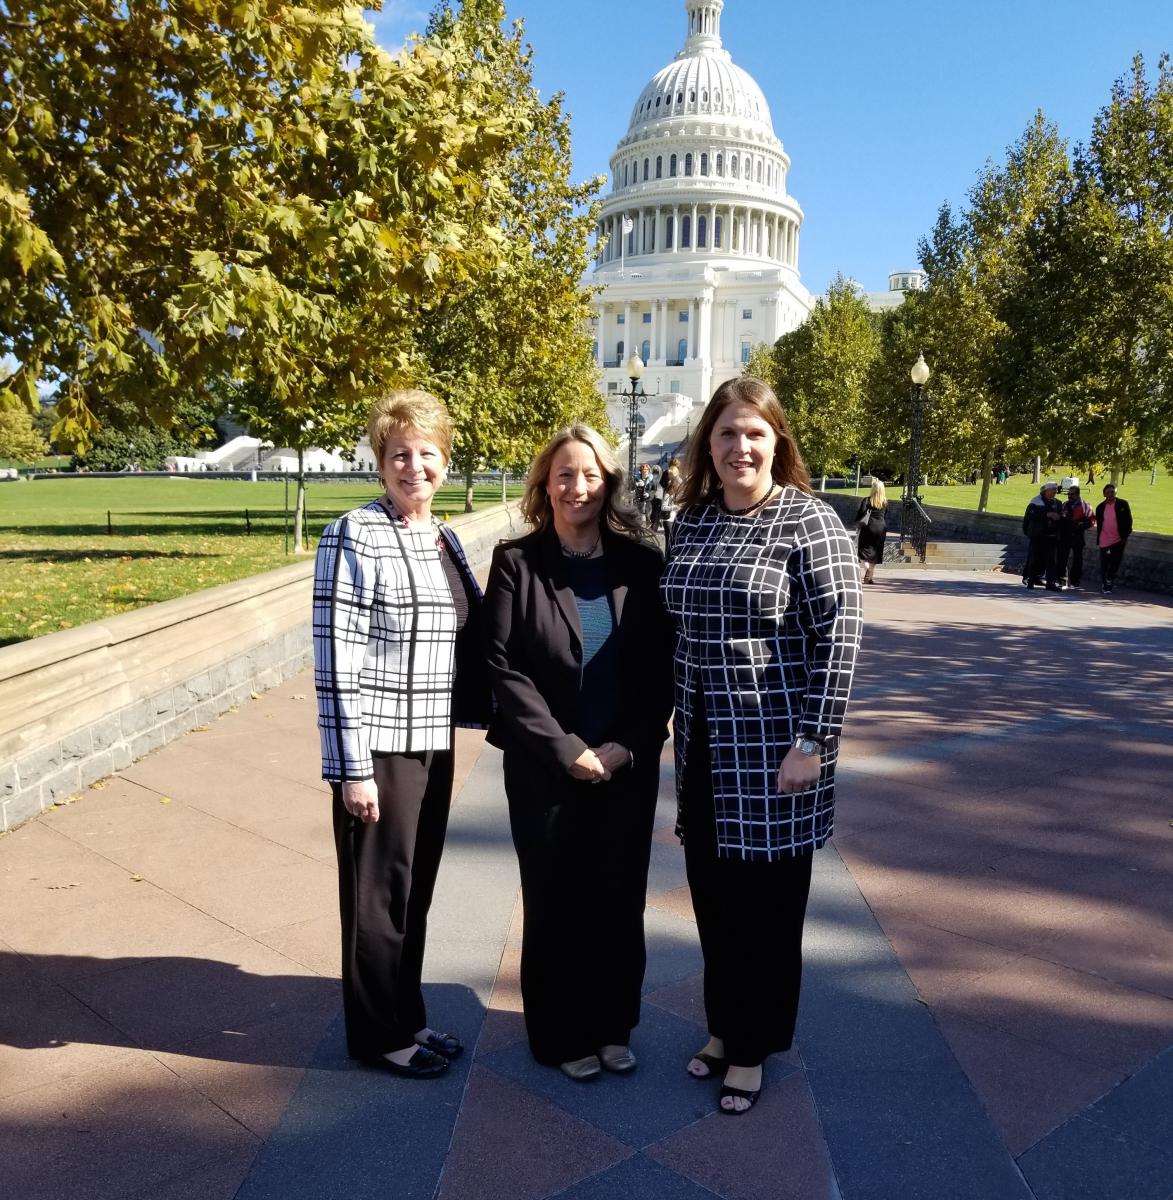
(959, 556)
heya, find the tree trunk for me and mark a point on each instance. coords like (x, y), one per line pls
(299, 546)
(987, 474)
(1113, 472)
(1036, 470)
(468, 488)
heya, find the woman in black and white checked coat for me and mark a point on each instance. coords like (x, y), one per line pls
(763, 584)
(398, 660)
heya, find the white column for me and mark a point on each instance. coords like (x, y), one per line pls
(693, 231)
(731, 332)
(795, 246)
(600, 329)
(712, 222)
(628, 348)
(694, 320)
(655, 232)
(705, 334)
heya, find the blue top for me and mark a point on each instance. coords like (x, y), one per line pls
(600, 675)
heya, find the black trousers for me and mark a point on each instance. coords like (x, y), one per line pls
(386, 877)
(1110, 557)
(583, 851)
(749, 916)
(1071, 562)
(1040, 561)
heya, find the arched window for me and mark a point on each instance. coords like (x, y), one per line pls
(686, 232)
(659, 166)
(692, 96)
(705, 96)
(759, 172)
(669, 233)
(720, 164)
(645, 170)
(704, 164)
(619, 350)
(717, 232)
(645, 351)
(625, 174)
(657, 101)
(679, 97)
(672, 166)
(701, 230)
(595, 348)
(733, 166)
(688, 164)
(681, 350)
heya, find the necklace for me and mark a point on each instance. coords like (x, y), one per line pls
(749, 508)
(580, 553)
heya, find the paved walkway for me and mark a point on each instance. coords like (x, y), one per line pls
(987, 1014)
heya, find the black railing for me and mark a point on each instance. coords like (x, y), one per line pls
(675, 362)
(914, 526)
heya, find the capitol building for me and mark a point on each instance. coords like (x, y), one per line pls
(698, 236)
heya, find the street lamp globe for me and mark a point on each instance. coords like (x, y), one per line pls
(920, 371)
(635, 367)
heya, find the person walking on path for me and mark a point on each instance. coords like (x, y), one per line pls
(573, 610)
(1113, 526)
(763, 584)
(398, 659)
(1040, 523)
(872, 522)
(656, 492)
(1077, 517)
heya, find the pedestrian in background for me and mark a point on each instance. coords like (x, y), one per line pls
(1113, 526)
(872, 522)
(1077, 518)
(656, 505)
(763, 583)
(1040, 523)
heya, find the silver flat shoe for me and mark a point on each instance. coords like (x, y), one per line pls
(581, 1069)
(618, 1059)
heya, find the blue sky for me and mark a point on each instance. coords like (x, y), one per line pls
(886, 110)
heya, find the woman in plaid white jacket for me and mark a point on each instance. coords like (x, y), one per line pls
(398, 660)
(762, 581)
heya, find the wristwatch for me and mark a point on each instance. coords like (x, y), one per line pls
(808, 746)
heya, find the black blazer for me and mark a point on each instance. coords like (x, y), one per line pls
(1123, 518)
(533, 637)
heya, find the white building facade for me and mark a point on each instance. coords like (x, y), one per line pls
(698, 235)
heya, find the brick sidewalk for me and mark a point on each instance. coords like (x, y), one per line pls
(988, 1009)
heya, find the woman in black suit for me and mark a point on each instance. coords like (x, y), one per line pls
(579, 650)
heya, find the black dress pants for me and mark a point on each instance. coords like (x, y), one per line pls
(1110, 557)
(386, 877)
(750, 917)
(583, 851)
(1041, 562)
(1071, 561)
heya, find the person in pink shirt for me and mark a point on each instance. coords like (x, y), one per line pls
(1113, 525)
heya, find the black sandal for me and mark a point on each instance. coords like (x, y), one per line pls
(714, 1064)
(740, 1094)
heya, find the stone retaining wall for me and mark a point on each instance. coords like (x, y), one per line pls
(1148, 558)
(78, 705)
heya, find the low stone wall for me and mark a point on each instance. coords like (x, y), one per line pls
(78, 705)
(1148, 559)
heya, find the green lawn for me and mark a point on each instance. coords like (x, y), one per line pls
(1152, 504)
(61, 566)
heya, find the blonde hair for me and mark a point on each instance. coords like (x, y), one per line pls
(878, 497)
(409, 408)
(618, 514)
(700, 476)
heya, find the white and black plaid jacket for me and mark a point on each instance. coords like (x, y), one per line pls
(768, 615)
(385, 640)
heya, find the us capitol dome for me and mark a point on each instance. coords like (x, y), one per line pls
(698, 236)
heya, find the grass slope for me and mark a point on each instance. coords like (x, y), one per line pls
(61, 568)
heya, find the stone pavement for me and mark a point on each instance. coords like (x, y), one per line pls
(988, 1005)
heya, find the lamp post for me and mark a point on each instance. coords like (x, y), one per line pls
(634, 398)
(914, 519)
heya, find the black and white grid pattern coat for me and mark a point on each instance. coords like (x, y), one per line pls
(386, 646)
(769, 615)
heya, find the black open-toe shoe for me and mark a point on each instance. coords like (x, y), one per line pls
(423, 1064)
(740, 1094)
(714, 1064)
(447, 1044)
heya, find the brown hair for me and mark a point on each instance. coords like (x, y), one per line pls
(618, 514)
(701, 481)
(411, 408)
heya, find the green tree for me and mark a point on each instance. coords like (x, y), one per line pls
(1093, 318)
(510, 351)
(19, 440)
(193, 190)
(820, 372)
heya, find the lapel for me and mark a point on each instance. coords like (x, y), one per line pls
(616, 575)
(557, 575)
